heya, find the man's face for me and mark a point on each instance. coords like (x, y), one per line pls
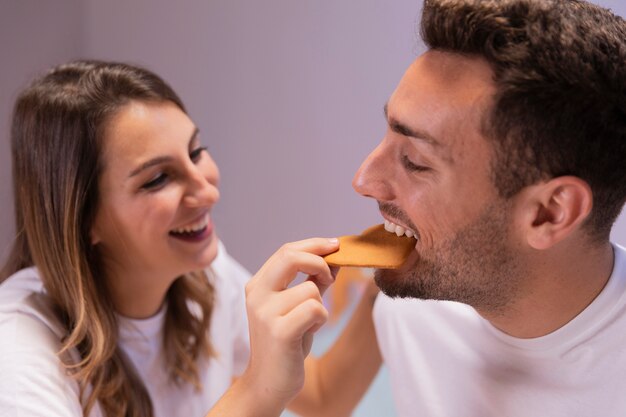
(431, 175)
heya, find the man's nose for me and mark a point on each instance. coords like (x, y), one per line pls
(373, 177)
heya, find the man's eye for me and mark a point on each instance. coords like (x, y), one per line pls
(197, 153)
(411, 167)
(156, 182)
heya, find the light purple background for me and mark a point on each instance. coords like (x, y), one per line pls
(288, 96)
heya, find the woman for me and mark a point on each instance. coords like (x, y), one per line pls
(104, 307)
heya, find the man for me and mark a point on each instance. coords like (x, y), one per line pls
(506, 157)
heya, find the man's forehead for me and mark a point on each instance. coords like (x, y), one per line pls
(466, 77)
(444, 95)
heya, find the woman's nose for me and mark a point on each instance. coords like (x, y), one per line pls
(202, 189)
(373, 177)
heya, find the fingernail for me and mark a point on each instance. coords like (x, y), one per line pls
(333, 240)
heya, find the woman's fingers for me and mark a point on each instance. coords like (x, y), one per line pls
(303, 256)
(282, 318)
(290, 298)
(317, 245)
(304, 320)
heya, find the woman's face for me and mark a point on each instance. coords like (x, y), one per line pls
(157, 188)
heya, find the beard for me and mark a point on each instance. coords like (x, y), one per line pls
(477, 266)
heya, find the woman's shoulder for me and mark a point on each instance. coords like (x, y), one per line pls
(227, 271)
(20, 285)
(26, 314)
(34, 381)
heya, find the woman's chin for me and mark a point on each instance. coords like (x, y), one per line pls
(208, 254)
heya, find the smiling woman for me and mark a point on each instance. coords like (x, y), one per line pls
(157, 188)
(118, 298)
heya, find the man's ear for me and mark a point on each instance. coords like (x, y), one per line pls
(555, 209)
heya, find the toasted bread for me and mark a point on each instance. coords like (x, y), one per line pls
(374, 248)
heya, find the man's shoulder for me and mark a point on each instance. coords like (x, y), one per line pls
(618, 274)
(620, 254)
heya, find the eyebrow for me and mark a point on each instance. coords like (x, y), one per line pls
(407, 131)
(159, 159)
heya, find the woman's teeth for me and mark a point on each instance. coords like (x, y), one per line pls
(195, 227)
(398, 230)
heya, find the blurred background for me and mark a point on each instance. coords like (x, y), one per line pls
(288, 96)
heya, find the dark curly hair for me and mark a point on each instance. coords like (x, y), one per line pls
(560, 106)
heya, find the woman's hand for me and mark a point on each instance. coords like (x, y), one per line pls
(283, 320)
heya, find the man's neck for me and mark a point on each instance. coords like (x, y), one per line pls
(560, 285)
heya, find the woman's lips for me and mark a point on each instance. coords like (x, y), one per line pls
(195, 232)
(196, 236)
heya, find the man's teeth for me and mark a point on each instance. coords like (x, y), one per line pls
(398, 230)
(194, 227)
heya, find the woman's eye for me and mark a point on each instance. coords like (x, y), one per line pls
(412, 167)
(197, 153)
(156, 182)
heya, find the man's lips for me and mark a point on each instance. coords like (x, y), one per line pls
(399, 230)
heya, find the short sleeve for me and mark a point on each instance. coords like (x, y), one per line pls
(34, 381)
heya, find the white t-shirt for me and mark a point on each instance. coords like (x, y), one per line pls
(34, 383)
(447, 361)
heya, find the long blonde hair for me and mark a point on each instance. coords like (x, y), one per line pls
(56, 140)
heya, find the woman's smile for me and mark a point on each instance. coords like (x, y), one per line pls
(196, 231)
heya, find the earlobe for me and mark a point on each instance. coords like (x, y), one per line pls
(94, 236)
(561, 205)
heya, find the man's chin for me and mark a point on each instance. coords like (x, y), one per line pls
(399, 283)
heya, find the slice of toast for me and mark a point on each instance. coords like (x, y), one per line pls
(374, 248)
